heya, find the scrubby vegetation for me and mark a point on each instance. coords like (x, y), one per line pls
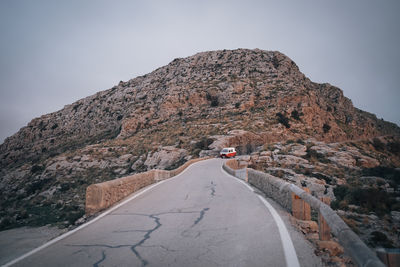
(326, 127)
(283, 119)
(368, 199)
(296, 115)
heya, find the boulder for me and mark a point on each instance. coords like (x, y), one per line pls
(165, 157)
(289, 160)
(332, 247)
(343, 159)
(298, 150)
(266, 153)
(395, 216)
(367, 162)
(208, 153)
(307, 227)
(323, 149)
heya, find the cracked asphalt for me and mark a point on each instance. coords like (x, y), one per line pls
(201, 218)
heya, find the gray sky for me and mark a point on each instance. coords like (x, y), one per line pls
(53, 53)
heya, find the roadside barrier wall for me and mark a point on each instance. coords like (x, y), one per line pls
(234, 168)
(286, 194)
(103, 195)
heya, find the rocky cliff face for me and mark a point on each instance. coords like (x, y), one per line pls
(166, 117)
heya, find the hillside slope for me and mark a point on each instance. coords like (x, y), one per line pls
(164, 118)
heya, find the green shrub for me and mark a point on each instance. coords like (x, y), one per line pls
(321, 176)
(65, 187)
(7, 223)
(283, 120)
(72, 216)
(335, 205)
(326, 127)
(394, 147)
(204, 143)
(380, 239)
(369, 199)
(313, 155)
(37, 169)
(213, 99)
(37, 186)
(295, 115)
(388, 173)
(275, 62)
(300, 141)
(341, 191)
(378, 144)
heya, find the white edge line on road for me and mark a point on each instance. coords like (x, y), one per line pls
(244, 183)
(238, 180)
(51, 242)
(287, 243)
(288, 248)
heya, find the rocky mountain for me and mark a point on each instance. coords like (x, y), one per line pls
(191, 107)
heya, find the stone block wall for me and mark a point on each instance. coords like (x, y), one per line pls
(103, 195)
(233, 164)
(272, 186)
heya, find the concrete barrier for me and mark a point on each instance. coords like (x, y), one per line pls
(282, 191)
(103, 195)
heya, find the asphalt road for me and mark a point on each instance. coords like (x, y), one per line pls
(203, 217)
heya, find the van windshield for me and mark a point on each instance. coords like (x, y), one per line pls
(224, 150)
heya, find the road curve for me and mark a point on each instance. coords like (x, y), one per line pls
(203, 217)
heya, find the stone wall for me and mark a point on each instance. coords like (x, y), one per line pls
(233, 164)
(185, 165)
(229, 170)
(103, 195)
(234, 167)
(272, 186)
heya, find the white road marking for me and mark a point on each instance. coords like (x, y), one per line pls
(51, 242)
(238, 180)
(245, 184)
(287, 243)
(288, 248)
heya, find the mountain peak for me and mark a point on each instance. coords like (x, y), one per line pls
(240, 88)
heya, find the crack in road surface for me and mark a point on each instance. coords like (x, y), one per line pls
(103, 252)
(212, 187)
(189, 232)
(202, 212)
(147, 235)
(96, 264)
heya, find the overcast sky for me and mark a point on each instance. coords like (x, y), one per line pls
(53, 53)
